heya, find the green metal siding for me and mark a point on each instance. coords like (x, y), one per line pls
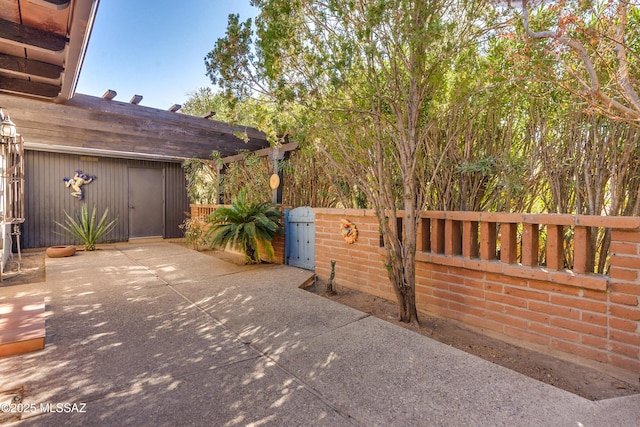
(177, 201)
(47, 198)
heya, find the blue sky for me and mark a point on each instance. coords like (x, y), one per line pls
(154, 48)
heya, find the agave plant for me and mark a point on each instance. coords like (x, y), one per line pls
(87, 228)
(245, 227)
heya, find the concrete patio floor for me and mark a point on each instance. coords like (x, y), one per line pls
(153, 333)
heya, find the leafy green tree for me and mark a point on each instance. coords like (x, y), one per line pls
(371, 79)
(204, 101)
(202, 180)
(306, 182)
(592, 50)
(250, 174)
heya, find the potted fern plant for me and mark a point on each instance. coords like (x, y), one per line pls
(245, 226)
(87, 228)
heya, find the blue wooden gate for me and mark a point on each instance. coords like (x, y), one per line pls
(300, 237)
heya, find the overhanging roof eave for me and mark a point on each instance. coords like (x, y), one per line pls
(35, 146)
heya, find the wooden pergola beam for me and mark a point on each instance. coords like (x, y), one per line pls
(269, 151)
(181, 120)
(30, 67)
(29, 37)
(72, 120)
(60, 134)
(109, 125)
(20, 86)
(52, 4)
(109, 94)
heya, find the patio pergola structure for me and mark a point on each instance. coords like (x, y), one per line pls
(136, 151)
(275, 155)
(125, 144)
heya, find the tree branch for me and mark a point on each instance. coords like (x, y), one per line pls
(607, 103)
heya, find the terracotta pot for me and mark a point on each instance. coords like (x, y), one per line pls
(60, 251)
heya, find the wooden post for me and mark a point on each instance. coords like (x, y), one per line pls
(276, 156)
(220, 172)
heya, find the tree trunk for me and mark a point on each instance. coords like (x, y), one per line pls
(400, 262)
(409, 237)
(407, 302)
(250, 254)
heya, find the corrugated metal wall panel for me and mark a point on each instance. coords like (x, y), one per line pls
(177, 201)
(47, 198)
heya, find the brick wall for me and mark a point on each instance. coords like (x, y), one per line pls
(623, 327)
(359, 265)
(477, 269)
(278, 249)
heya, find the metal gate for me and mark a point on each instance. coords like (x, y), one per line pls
(300, 237)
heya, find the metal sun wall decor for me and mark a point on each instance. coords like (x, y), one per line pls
(76, 183)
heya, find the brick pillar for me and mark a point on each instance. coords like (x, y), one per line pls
(582, 250)
(555, 247)
(278, 244)
(452, 242)
(530, 244)
(488, 240)
(470, 239)
(624, 300)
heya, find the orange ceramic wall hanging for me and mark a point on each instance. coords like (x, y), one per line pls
(349, 231)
